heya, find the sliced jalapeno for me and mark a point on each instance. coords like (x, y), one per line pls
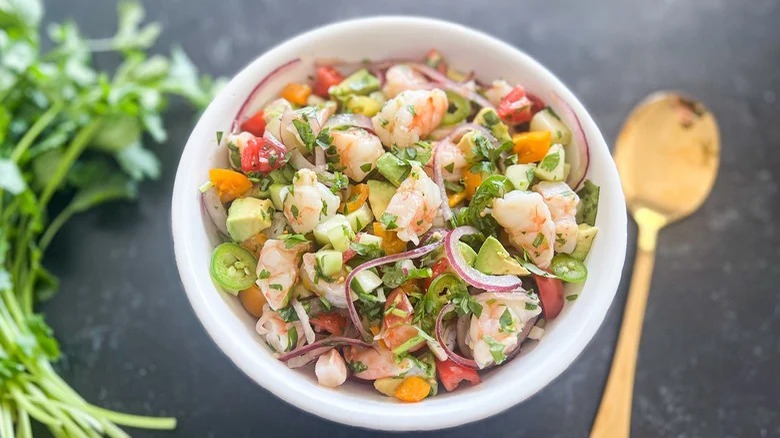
(233, 267)
(568, 269)
(459, 108)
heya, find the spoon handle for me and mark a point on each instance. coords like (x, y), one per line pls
(613, 419)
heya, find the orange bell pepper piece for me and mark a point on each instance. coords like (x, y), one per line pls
(255, 243)
(358, 196)
(296, 93)
(229, 183)
(531, 147)
(472, 182)
(391, 244)
(253, 300)
(412, 389)
(455, 198)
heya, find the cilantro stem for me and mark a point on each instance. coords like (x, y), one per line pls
(32, 409)
(23, 427)
(139, 421)
(35, 130)
(54, 226)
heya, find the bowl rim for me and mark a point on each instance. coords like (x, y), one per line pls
(351, 410)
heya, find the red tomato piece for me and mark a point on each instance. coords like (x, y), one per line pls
(537, 104)
(262, 155)
(397, 324)
(331, 322)
(451, 374)
(325, 77)
(515, 107)
(437, 269)
(550, 296)
(255, 124)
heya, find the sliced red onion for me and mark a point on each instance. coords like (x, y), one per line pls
(304, 318)
(521, 337)
(446, 211)
(286, 135)
(491, 283)
(579, 169)
(351, 120)
(303, 355)
(319, 158)
(462, 332)
(211, 202)
(451, 85)
(455, 357)
(466, 127)
(279, 145)
(242, 112)
(413, 254)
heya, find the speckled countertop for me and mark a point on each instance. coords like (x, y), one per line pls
(710, 354)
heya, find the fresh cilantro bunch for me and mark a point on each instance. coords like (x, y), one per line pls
(70, 131)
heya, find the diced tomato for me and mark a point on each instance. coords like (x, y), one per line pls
(550, 296)
(437, 269)
(325, 77)
(537, 104)
(255, 124)
(515, 108)
(397, 322)
(262, 155)
(435, 59)
(331, 322)
(451, 374)
(347, 255)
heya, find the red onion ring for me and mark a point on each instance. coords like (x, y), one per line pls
(279, 145)
(492, 283)
(216, 210)
(303, 355)
(413, 254)
(351, 120)
(446, 211)
(451, 85)
(455, 357)
(259, 87)
(578, 172)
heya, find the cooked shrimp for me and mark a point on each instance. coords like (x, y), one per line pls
(309, 202)
(280, 335)
(401, 77)
(494, 334)
(451, 159)
(497, 91)
(562, 202)
(526, 218)
(333, 291)
(397, 327)
(357, 151)
(413, 206)
(277, 271)
(330, 369)
(376, 362)
(410, 116)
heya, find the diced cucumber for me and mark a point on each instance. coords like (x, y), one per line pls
(521, 175)
(552, 165)
(547, 120)
(365, 282)
(339, 237)
(359, 218)
(329, 262)
(321, 230)
(370, 239)
(278, 193)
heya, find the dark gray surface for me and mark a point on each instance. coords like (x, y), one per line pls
(710, 353)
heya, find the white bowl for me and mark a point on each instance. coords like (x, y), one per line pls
(359, 404)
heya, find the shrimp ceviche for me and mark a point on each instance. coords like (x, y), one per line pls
(400, 222)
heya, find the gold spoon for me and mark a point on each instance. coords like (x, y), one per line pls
(667, 155)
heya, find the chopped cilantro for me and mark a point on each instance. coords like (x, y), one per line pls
(219, 136)
(276, 286)
(496, 350)
(366, 167)
(263, 274)
(550, 162)
(388, 220)
(357, 366)
(290, 240)
(294, 211)
(506, 321)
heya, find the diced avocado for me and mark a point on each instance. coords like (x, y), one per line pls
(321, 231)
(248, 216)
(467, 252)
(585, 235)
(547, 120)
(361, 83)
(329, 262)
(552, 165)
(488, 117)
(520, 175)
(379, 195)
(365, 282)
(361, 217)
(392, 168)
(388, 385)
(278, 192)
(363, 105)
(493, 259)
(467, 143)
(370, 239)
